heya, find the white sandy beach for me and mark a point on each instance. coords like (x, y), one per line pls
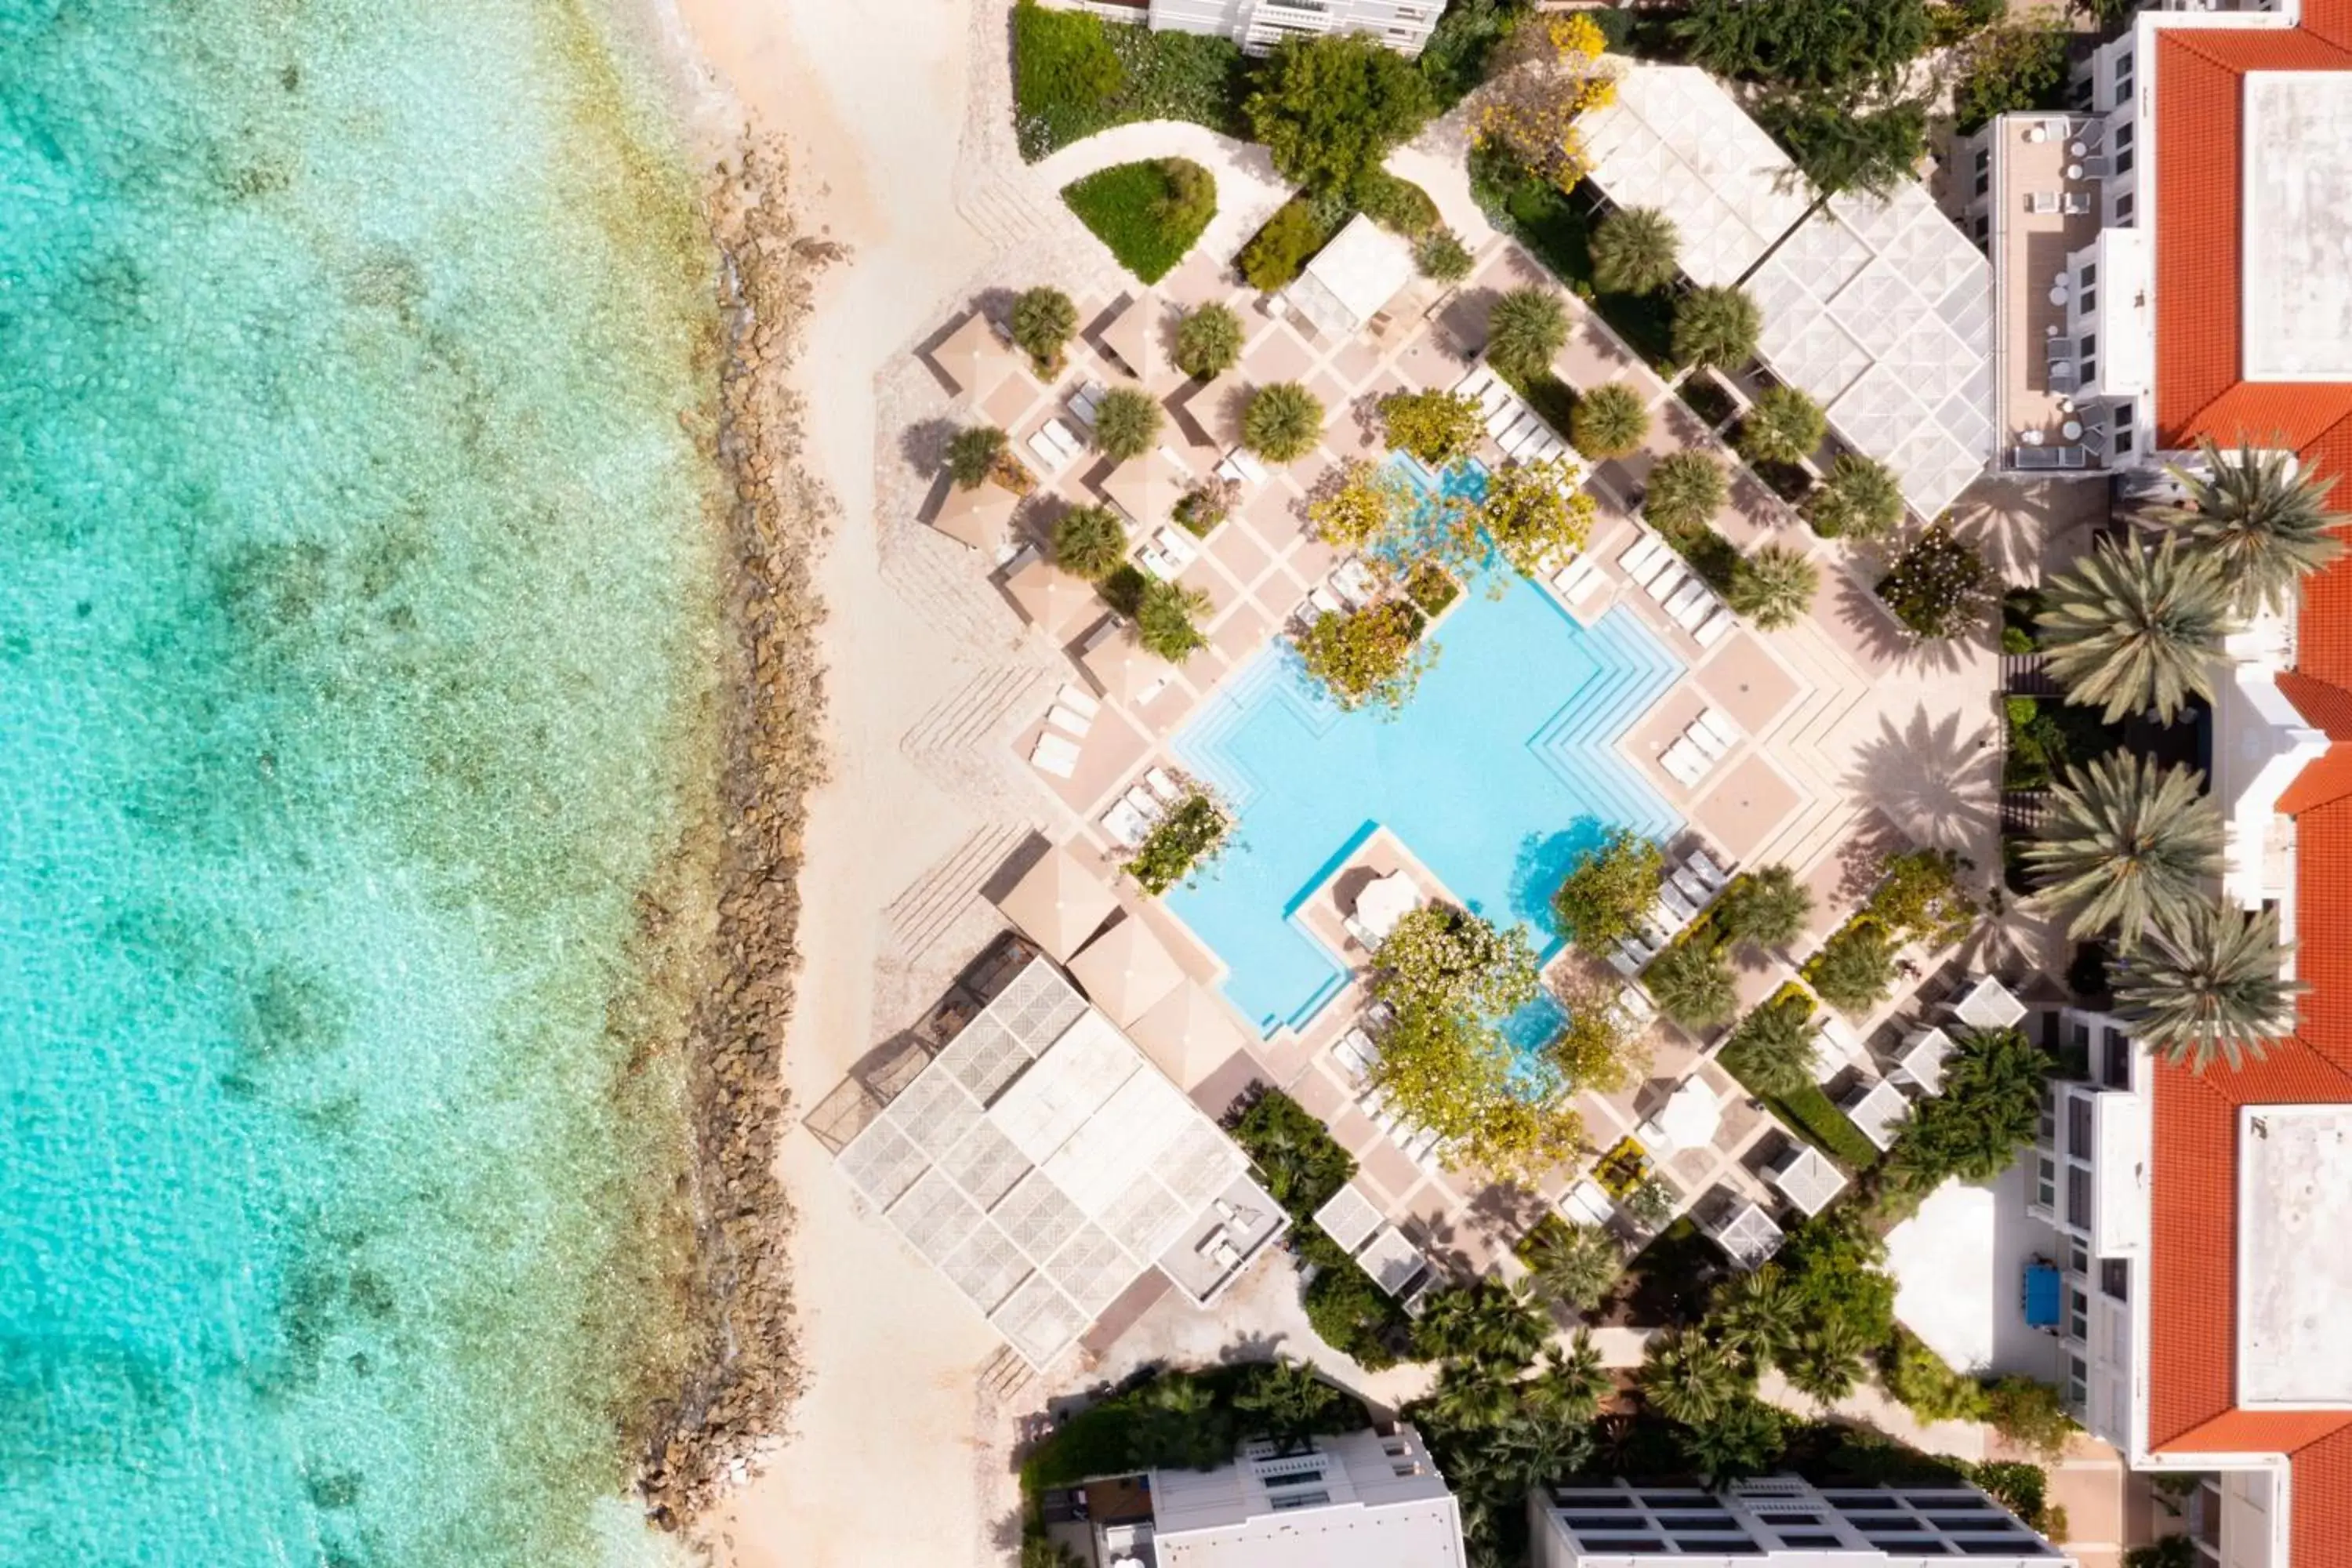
(887, 1462)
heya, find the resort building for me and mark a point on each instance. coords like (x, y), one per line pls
(2170, 265)
(1360, 1500)
(1778, 1521)
(1257, 25)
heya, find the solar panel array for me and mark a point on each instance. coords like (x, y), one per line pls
(1880, 310)
(1042, 1163)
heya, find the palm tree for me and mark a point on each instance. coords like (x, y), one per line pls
(1288, 1401)
(1442, 257)
(2130, 843)
(1471, 1393)
(1044, 319)
(1684, 490)
(1127, 423)
(1526, 329)
(1532, 1451)
(1766, 908)
(1716, 326)
(1772, 1051)
(2264, 517)
(1854, 970)
(1692, 985)
(1759, 1315)
(1572, 1383)
(1089, 542)
(1687, 1377)
(1208, 342)
(1774, 585)
(973, 454)
(1609, 421)
(1573, 1265)
(2211, 984)
(2133, 628)
(1827, 1362)
(1176, 1425)
(1744, 1440)
(1861, 498)
(1784, 427)
(1635, 250)
(1282, 422)
(1167, 622)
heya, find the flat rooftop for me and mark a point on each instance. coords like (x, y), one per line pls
(2294, 1209)
(2296, 231)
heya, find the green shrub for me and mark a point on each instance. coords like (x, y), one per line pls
(1073, 76)
(1347, 1310)
(1925, 1384)
(1692, 983)
(1462, 47)
(1395, 204)
(1370, 656)
(1330, 106)
(1938, 587)
(1526, 329)
(2007, 70)
(1149, 212)
(1441, 255)
(1208, 504)
(1919, 896)
(1816, 1115)
(1166, 622)
(1684, 490)
(1860, 497)
(1609, 421)
(1784, 427)
(1717, 325)
(1771, 1051)
(1276, 254)
(1180, 843)
(1441, 428)
(1208, 342)
(1303, 1164)
(1128, 421)
(1432, 588)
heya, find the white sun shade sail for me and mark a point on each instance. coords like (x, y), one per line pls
(1350, 279)
(1041, 1163)
(1807, 1178)
(1686, 1120)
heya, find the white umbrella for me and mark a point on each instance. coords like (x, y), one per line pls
(1384, 902)
(1189, 1033)
(1124, 670)
(1059, 903)
(1686, 1120)
(1126, 971)
(1134, 336)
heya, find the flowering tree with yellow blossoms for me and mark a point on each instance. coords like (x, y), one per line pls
(1553, 77)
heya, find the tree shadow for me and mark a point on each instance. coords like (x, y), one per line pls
(1884, 639)
(1934, 783)
(923, 446)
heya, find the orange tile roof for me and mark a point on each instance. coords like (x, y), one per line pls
(2192, 1267)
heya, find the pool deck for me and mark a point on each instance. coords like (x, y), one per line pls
(1852, 739)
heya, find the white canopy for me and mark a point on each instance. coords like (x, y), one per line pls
(1349, 1218)
(1750, 1235)
(1134, 336)
(1384, 902)
(1922, 1060)
(1989, 1006)
(1807, 1178)
(1877, 1111)
(974, 357)
(977, 517)
(1686, 1120)
(1351, 278)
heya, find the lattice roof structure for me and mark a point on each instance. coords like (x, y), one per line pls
(1881, 311)
(1042, 1163)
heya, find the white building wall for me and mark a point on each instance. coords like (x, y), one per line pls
(1778, 1521)
(1367, 1500)
(1259, 25)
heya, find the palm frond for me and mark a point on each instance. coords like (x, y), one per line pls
(2263, 518)
(2130, 843)
(2131, 628)
(2211, 983)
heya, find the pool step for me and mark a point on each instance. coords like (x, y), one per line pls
(1580, 744)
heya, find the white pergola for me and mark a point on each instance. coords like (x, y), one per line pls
(1807, 1178)
(1877, 1111)
(1989, 1006)
(1879, 309)
(1042, 1165)
(1351, 278)
(1749, 1234)
(1349, 1218)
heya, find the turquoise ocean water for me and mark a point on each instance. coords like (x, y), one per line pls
(358, 632)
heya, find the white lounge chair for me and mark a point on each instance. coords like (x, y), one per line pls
(1636, 1002)
(1692, 596)
(1648, 557)
(1353, 581)
(1125, 825)
(1078, 699)
(1623, 961)
(1069, 720)
(1666, 584)
(1717, 722)
(1048, 452)
(1146, 805)
(1055, 754)
(1700, 736)
(1685, 761)
(1716, 626)
(1163, 783)
(1704, 864)
(1696, 891)
(1671, 897)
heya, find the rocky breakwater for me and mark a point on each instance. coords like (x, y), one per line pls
(736, 1403)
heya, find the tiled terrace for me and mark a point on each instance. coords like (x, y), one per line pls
(2029, 248)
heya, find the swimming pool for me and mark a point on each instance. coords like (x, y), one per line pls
(1498, 773)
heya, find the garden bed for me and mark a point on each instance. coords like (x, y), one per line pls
(1180, 843)
(1557, 226)
(1149, 213)
(1704, 396)
(2047, 735)
(1715, 558)
(1075, 75)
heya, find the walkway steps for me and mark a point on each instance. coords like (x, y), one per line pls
(961, 722)
(938, 899)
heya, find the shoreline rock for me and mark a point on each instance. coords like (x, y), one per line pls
(740, 1388)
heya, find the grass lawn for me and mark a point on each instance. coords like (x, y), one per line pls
(1075, 75)
(1131, 207)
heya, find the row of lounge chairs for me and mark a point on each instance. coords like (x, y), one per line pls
(1698, 748)
(1653, 566)
(1356, 1052)
(1518, 430)
(1132, 816)
(1687, 890)
(1067, 721)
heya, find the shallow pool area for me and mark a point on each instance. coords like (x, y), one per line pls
(1501, 769)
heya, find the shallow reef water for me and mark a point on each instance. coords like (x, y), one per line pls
(358, 689)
